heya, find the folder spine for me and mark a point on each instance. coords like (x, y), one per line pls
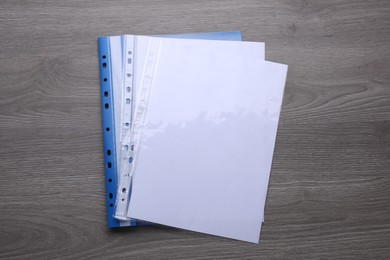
(108, 128)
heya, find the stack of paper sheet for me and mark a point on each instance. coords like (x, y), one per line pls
(195, 129)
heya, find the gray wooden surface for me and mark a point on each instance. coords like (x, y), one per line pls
(329, 194)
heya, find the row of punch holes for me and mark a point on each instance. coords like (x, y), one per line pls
(127, 102)
(107, 106)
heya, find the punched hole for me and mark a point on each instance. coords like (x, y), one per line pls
(129, 60)
(126, 147)
(128, 75)
(104, 56)
(108, 152)
(127, 124)
(128, 89)
(104, 65)
(111, 205)
(105, 79)
(110, 195)
(105, 93)
(109, 180)
(106, 106)
(123, 199)
(124, 190)
(132, 147)
(130, 159)
(109, 165)
(129, 52)
(128, 101)
(107, 129)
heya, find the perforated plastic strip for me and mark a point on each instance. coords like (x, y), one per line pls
(127, 90)
(108, 127)
(132, 137)
(126, 108)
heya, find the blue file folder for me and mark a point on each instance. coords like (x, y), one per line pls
(108, 118)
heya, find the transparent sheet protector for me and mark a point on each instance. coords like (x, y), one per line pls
(204, 158)
(141, 47)
(115, 47)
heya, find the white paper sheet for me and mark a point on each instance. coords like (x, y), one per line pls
(205, 155)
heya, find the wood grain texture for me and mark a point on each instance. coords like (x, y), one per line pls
(329, 194)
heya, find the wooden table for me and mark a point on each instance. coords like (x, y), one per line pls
(329, 194)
